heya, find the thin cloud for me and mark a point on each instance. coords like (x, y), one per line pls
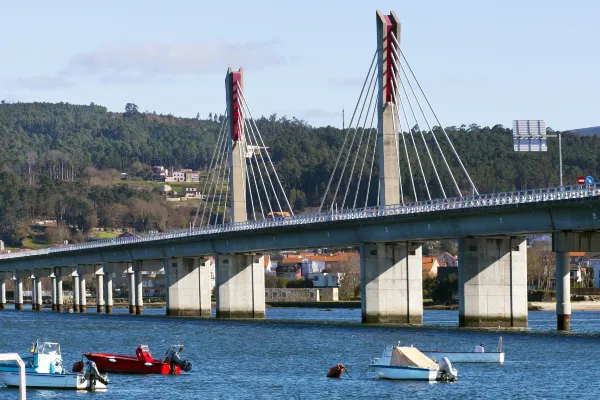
(156, 62)
(43, 82)
(192, 58)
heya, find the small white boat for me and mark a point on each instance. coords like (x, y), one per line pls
(408, 363)
(44, 369)
(54, 381)
(477, 355)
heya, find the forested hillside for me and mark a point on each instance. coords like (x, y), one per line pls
(55, 158)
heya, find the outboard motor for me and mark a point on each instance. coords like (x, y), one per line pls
(446, 373)
(92, 375)
(174, 359)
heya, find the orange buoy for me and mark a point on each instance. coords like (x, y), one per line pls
(78, 366)
(336, 371)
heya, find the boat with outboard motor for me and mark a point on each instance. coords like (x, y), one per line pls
(477, 355)
(408, 363)
(44, 369)
(143, 362)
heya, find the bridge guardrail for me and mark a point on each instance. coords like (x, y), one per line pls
(486, 200)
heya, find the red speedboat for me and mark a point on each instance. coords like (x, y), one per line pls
(143, 362)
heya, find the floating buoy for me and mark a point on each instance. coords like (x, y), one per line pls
(336, 371)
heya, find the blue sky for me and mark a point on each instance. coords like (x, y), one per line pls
(483, 62)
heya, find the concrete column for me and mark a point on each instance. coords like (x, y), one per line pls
(3, 295)
(188, 286)
(386, 137)
(99, 292)
(53, 291)
(59, 293)
(38, 292)
(492, 282)
(236, 145)
(18, 293)
(563, 291)
(109, 290)
(75, 278)
(131, 292)
(240, 291)
(34, 294)
(82, 293)
(139, 291)
(391, 283)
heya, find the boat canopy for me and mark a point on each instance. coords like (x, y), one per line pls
(411, 357)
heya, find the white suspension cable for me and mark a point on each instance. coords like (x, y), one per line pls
(210, 170)
(227, 188)
(347, 134)
(216, 176)
(251, 136)
(397, 153)
(223, 180)
(419, 128)
(261, 178)
(351, 145)
(365, 158)
(438, 121)
(219, 178)
(268, 157)
(415, 147)
(372, 162)
(251, 197)
(401, 133)
(371, 90)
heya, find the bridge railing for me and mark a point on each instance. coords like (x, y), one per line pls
(464, 202)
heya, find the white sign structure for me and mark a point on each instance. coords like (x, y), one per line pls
(529, 135)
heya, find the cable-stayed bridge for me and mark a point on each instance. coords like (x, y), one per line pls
(398, 181)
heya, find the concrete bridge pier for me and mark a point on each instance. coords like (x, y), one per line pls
(492, 282)
(99, 274)
(131, 276)
(75, 284)
(562, 244)
(34, 293)
(240, 286)
(18, 291)
(391, 283)
(82, 290)
(563, 291)
(139, 289)
(53, 291)
(188, 286)
(3, 295)
(59, 290)
(108, 288)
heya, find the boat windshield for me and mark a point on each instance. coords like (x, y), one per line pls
(49, 348)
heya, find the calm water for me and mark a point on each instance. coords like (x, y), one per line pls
(284, 359)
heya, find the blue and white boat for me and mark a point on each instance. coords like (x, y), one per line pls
(44, 369)
(44, 357)
(408, 363)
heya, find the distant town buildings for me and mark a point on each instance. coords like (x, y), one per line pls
(161, 173)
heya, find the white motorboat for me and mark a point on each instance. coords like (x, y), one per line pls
(44, 369)
(44, 357)
(477, 355)
(54, 381)
(408, 363)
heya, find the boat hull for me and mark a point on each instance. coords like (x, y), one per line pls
(130, 365)
(51, 381)
(405, 373)
(466, 357)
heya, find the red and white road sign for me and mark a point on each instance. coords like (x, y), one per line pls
(581, 180)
